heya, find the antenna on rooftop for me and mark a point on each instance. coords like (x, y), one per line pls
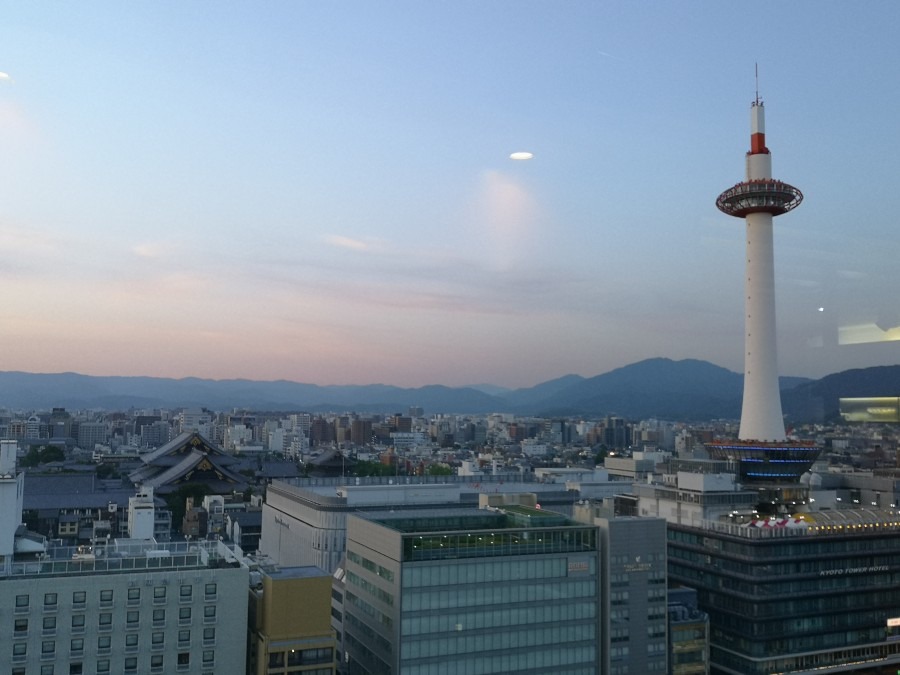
(756, 69)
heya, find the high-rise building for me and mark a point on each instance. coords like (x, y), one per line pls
(633, 615)
(512, 590)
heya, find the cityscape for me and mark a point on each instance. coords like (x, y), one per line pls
(185, 488)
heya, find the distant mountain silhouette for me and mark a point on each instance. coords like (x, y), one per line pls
(688, 390)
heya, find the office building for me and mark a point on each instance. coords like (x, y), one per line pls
(513, 590)
(633, 596)
(791, 595)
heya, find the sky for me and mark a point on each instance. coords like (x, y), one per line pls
(322, 191)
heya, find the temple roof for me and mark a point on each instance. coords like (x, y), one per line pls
(188, 459)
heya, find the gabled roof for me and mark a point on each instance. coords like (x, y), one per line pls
(188, 459)
(181, 445)
(198, 467)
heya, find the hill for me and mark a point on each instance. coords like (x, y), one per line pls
(688, 390)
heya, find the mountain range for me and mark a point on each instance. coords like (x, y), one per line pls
(689, 390)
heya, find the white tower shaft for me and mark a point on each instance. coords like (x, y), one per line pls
(761, 414)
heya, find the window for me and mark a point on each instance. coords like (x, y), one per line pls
(159, 616)
(276, 660)
(105, 621)
(209, 635)
(48, 648)
(103, 643)
(184, 636)
(184, 614)
(158, 638)
(49, 624)
(75, 669)
(186, 592)
(21, 601)
(78, 598)
(184, 658)
(49, 600)
(130, 664)
(156, 661)
(210, 590)
(209, 613)
(134, 595)
(132, 618)
(76, 645)
(106, 596)
(20, 648)
(47, 670)
(21, 626)
(103, 665)
(159, 593)
(209, 656)
(78, 622)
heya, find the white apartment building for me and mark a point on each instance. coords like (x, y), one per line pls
(129, 606)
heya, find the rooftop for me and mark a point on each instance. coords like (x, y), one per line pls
(123, 556)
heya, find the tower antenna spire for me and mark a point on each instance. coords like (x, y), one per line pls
(756, 69)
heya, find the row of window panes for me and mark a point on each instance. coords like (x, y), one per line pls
(105, 622)
(576, 660)
(494, 618)
(131, 640)
(480, 595)
(79, 598)
(301, 657)
(561, 636)
(183, 659)
(484, 571)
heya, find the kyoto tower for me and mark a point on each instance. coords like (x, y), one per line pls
(758, 199)
(762, 449)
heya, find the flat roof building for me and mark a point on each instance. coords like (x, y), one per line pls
(513, 590)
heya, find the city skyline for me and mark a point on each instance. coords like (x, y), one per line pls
(325, 194)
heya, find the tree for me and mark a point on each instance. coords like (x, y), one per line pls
(42, 454)
(439, 470)
(372, 469)
(107, 470)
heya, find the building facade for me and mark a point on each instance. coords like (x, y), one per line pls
(132, 608)
(796, 596)
(513, 590)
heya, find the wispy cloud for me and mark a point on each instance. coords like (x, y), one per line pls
(346, 242)
(153, 250)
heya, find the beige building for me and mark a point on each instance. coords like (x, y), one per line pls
(290, 622)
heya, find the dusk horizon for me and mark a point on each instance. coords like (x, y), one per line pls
(418, 194)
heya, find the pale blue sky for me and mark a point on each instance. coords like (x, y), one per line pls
(321, 191)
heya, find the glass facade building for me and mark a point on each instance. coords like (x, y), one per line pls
(816, 597)
(512, 591)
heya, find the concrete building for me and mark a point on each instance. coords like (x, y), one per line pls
(127, 606)
(290, 627)
(304, 521)
(633, 600)
(688, 634)
(512, 590)
(91, 434)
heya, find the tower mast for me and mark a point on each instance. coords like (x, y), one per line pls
(758, 199)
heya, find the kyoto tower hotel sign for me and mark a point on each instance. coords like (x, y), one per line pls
(763, 450)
